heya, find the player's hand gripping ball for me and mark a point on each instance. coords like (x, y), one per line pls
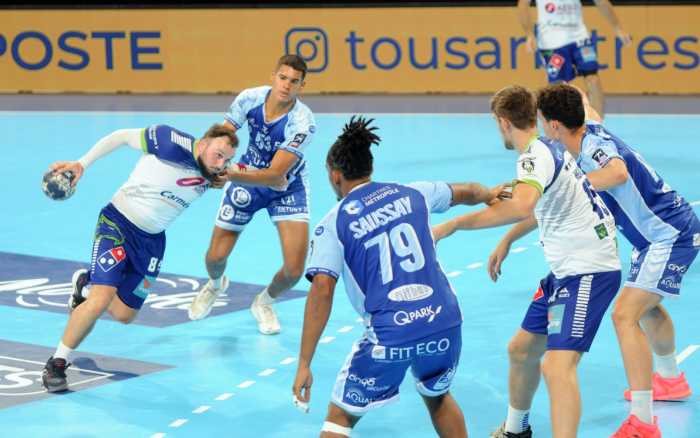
(58, 186)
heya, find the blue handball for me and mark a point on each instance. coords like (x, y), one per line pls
(57, 186)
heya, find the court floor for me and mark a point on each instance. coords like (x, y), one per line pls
(167, 376)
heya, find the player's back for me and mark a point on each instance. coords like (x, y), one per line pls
(576, 229)
(559, 22)
(391, 273)
(645, 207)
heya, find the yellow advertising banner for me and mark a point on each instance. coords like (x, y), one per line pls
(353, 50)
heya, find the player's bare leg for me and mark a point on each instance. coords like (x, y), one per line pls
(559, 370)
(595, 93)
(447, 416)
(220, 247)
(294, 239)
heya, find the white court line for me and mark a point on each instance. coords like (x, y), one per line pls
(179, 422)
(453, 273)
(201, 409)
(475, 265)
(345, 329)
(518, 249)
(266, 372)
(326, 339)
(690, 349)
(224, 396)
(246, 384)
(158, 435)
(288, 360)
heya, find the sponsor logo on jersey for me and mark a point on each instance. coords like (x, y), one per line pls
(353, 207)
(600, 157)
(312, 128)
(111, 258)
(404, 318)
(550, 7)
(241, 197)
(410, 292)
(191, 181)
(297, 140)
(528, 165)
(319, 230)
(383, 215)
(167, 194)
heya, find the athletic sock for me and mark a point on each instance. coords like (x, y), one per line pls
(85, 291)
(265, 298)
(667, 366)
(62, 351)
(641, 406)
(517, 421)
(217, 282)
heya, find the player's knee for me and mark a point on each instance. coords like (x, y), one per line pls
(553, 369)
(293, 272)
(518, 352)
(123, 317)
(623, 315)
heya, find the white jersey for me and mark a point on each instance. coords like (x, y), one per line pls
(576, 229)
(164, 182)
(559, 22)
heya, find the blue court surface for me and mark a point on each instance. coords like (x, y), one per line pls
(167, 376)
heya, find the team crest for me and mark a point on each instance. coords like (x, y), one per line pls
(528, 165)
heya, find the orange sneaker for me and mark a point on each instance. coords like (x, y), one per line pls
(667, 389)
(633, 427)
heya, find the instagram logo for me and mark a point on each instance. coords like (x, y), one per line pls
(311, 44)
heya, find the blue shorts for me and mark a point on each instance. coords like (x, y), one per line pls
(569, 310)
(569, 61)
(240, 202)
(660, 267)
(126, 257)
(373, 373)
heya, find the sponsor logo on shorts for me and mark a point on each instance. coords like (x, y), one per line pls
(379, 352)
(538, 294)
(681, 269)
(556, 62)
(241, 197)
(670, 283)
(555, 316)
(410, 292)
(226, 212)
(445, 380)
(357, 398)
(696, 239)
(404, 318)
(111, 258)
(369, 383)
(430, 348)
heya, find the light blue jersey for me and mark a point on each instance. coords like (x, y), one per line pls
(646, 209)
(378, 237)
(292, 132)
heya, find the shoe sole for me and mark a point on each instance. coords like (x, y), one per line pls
(48, 387)
(74, 283)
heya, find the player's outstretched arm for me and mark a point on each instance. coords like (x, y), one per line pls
(526, 23)
(474, 193)
(518, 208)
(274, 176)
(318, 308)
(130, 137)
(608, 12)
(500, 253)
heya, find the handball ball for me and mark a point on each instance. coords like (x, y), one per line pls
(57, 186)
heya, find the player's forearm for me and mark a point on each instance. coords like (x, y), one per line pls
(259, 177)
(470, 194)
(502, 213)
(524, 16)
(612, 175)
(106, 145)
(608, 12)
(318, 308)
(520, 229)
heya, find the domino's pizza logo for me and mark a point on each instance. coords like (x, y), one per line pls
(111, 258)
(556, 62)
(550, 7)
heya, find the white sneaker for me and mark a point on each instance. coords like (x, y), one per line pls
(268, 324)
(204, 301)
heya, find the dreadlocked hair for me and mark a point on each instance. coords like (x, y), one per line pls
(351, 151)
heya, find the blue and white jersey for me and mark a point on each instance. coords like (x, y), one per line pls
(576, 230)
(164, 181)
(292, 132)
(646, 209)
(379, 239)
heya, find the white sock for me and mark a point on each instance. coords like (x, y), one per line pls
(62, 351)
(667, 365)
(85, 291)
(642, 406)
(517, 420)
(265, 297)
(217, 282)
